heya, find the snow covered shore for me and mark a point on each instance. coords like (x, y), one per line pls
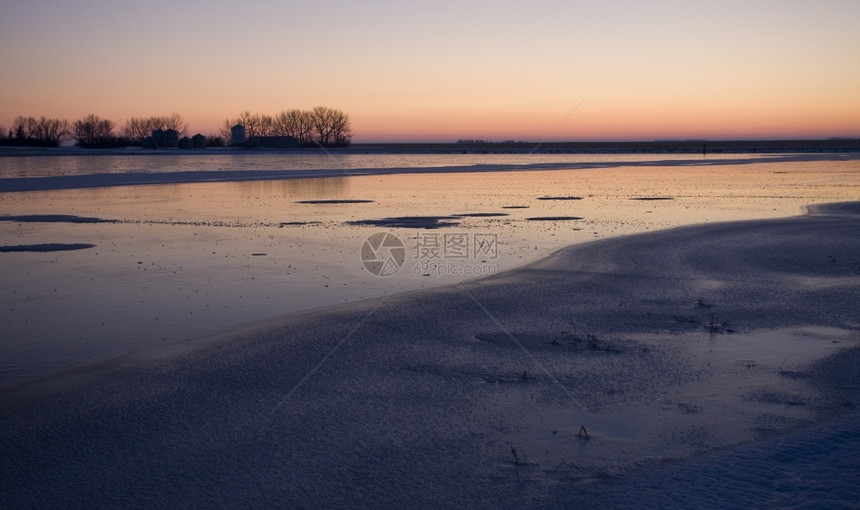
(701, 366)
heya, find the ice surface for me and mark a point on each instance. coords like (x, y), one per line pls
(711, 366)
(180, 260)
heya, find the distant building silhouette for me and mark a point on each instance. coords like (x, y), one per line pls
(237, 135)
(185, 143)
(238, 139)
(198, 141)
(171, 138)
(162, 138)
(158, 138)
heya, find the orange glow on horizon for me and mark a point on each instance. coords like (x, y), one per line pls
(587, 124)
(671, 70)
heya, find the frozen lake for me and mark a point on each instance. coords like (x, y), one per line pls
(160, 263)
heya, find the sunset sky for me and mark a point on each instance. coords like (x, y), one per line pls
(444, 70)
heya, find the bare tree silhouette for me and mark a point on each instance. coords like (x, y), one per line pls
(42, 132)
(136, 129)
(93, 131)
(325, 126)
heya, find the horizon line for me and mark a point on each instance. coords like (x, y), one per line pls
(610, 140)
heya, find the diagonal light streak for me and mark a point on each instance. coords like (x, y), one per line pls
(326, 357)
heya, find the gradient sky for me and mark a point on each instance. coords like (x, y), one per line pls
(444, 70)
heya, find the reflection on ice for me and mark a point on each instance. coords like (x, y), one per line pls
(196, 242)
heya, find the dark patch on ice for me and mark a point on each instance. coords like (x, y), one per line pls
(473, 373)
(336, 201)
(652, 198)
(515, 207)
(45, 247)
(560, 198)
(54, 218)
(298, 223)
(689, 408)
(480, 215)
(426, 222)
(258, 254)
(553, 218)
(774, 397)
(565, 342)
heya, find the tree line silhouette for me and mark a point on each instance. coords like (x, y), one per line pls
(321, 126)
(32, 132)
(328, 127)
